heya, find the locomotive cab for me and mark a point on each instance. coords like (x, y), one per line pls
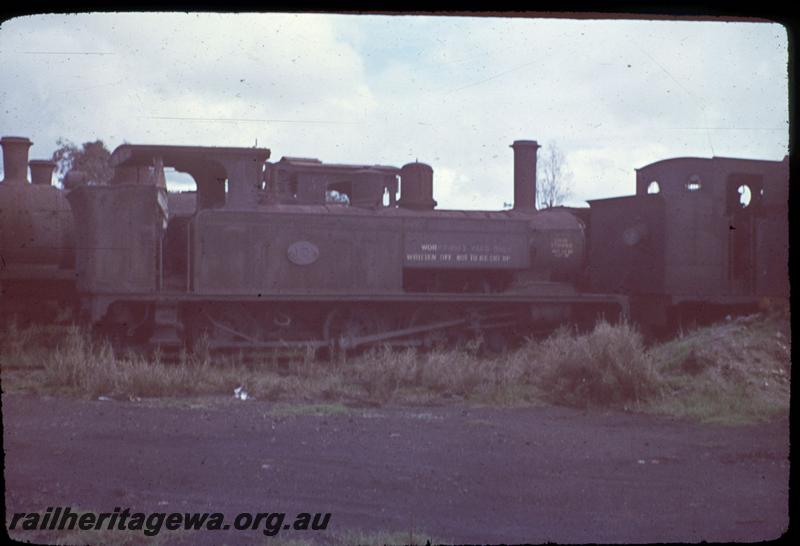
(699, 235)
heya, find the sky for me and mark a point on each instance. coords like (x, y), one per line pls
(453, 92)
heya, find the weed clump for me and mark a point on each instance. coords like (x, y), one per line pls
(90, 368)
(606, 367)
(25, 348)
(460, 373)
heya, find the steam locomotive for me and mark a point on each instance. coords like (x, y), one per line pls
(260, 256)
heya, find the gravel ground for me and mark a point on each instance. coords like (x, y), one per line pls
(456, 473)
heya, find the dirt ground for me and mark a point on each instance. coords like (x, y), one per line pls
(456, 473)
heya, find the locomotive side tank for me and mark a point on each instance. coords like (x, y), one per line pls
(36, 234)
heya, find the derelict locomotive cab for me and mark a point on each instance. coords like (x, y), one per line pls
(698, 233)
(722, 214)
(126, 251)
(224, 178)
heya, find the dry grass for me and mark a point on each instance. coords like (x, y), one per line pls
(731, 372)
(385, 375)
(608, 367)
(27, 348)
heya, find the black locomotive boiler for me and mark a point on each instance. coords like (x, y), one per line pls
(267, 260)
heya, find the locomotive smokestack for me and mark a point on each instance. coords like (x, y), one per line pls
(525, 174)
(15, 159)
(42, 171)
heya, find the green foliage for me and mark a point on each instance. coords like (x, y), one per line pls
(91, 158)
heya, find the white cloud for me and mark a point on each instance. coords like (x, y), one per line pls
(453, 92)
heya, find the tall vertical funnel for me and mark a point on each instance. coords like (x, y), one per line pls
(42, 171)
(15, 159)
(525, 174)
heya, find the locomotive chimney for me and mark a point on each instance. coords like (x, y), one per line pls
(42, 171)
(15, 159)
(525, 174)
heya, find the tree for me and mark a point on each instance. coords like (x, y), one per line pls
(554, 178)
(91, 158)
